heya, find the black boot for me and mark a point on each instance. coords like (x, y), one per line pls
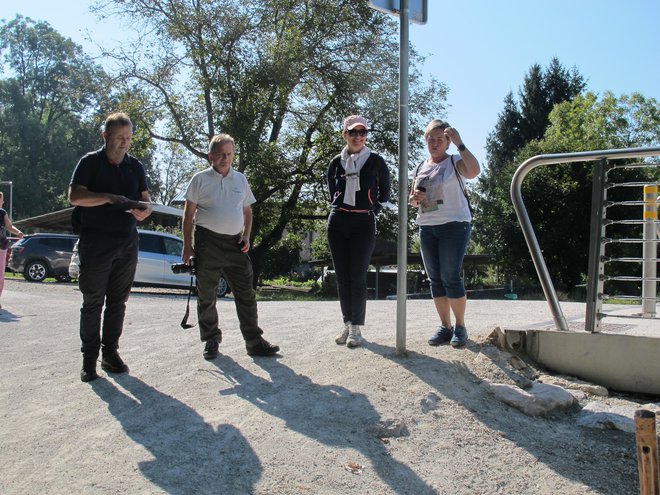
(88, 371)
(112, 363)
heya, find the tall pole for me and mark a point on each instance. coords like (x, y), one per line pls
(649, 251)
(402, 253)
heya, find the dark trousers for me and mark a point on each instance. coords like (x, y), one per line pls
(352, 237)
(216, 255)
(107, 269)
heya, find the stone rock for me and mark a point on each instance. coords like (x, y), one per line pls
(522, 381)
(608, 417)
(430, 402)
(488, 355)
(539, 400)
(517, 363)
(497, 338)
(390, 428)
(575, 384)
(652, 407)
(578, 394)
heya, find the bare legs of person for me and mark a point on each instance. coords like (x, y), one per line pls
(457, 334)
(445, 306)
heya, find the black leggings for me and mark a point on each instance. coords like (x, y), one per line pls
(352, 237)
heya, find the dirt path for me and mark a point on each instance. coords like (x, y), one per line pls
(306, 422)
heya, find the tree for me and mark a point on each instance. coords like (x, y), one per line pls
(558, 198)
(49, 106)
(519, 126)
(174, 170)
(278, 76)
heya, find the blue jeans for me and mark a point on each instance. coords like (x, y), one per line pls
(443, 248)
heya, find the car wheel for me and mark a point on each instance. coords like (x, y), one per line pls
(35, 271)
(223, 287)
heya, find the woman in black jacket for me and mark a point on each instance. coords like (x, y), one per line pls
(359, 183)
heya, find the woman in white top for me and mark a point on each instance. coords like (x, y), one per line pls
(444, 220)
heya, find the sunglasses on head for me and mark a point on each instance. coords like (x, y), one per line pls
(357, 132)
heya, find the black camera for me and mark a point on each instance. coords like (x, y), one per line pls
(191, 267)
(419, 184)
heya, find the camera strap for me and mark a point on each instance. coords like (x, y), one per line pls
(184, 323)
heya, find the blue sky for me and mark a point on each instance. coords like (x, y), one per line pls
(481, 49)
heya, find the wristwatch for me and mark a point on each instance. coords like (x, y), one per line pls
(461, 147)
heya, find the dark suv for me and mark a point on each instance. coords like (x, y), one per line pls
(39, 256)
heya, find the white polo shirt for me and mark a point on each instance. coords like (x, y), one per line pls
(220, 200)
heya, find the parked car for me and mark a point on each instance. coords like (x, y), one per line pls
(157, 252)
(39, 256)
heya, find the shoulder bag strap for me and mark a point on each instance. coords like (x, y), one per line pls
(460, 181)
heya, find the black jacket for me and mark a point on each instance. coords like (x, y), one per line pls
(374, 184)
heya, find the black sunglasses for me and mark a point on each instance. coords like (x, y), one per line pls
(357, 132)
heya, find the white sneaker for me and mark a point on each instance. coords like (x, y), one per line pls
(354, 336)
(343, 335)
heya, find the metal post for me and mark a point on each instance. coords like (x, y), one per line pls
(596, 267)
(402, 251)
(377, 281)
(650, 249)
(533, 244)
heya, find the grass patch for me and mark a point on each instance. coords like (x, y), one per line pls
(279, 295)
(19, 276)
(614, 300)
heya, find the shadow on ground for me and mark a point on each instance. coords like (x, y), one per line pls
(320, 413)
(593, 449)
(191, 456)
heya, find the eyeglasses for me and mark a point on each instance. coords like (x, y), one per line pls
(357, 132)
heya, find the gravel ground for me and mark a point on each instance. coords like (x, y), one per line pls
(308, 422)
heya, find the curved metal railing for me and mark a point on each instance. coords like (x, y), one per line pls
(597, 229)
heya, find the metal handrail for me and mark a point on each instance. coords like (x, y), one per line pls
(526, 224)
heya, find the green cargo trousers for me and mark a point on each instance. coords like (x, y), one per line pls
(219, 254)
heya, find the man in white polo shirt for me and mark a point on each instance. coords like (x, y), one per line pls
(218, 202)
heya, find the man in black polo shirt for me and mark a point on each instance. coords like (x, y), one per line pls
(103, 185)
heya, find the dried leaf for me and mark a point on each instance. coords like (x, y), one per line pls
(354, 467)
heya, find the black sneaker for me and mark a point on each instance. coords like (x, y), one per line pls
(262, 348)
(441, 336)
(112, 363)
(460, 337)
(88, 371)
(211, 349)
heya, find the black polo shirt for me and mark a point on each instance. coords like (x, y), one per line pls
(96, 173)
